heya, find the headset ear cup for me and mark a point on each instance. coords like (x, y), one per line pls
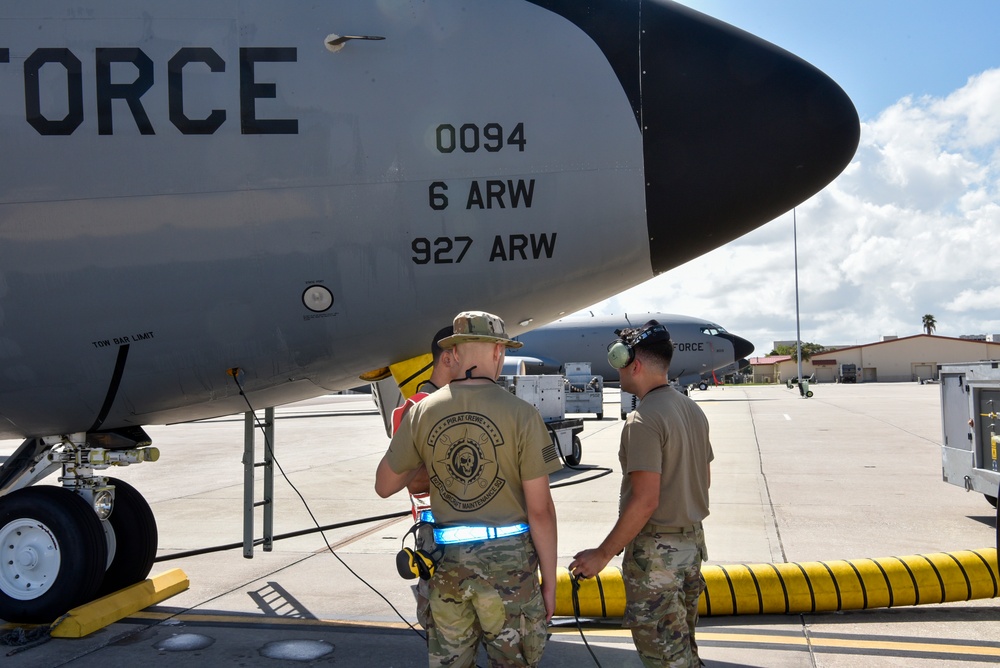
(407, 564)
(620, 354)
(415, 563)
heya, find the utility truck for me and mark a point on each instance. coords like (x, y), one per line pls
(970, 419)
(847, 373)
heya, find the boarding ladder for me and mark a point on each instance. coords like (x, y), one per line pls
(250, 463)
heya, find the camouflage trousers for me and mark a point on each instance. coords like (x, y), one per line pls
(424, 538)
(662, 577)
(487, 592)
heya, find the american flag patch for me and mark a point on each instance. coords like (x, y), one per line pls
(549, 453)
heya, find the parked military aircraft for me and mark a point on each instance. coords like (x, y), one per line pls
(203, 199)
(700, 346)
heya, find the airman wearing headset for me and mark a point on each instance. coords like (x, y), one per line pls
(665, 454)
(488, 455)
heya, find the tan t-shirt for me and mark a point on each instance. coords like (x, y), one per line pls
(478, 442)
(668, 434)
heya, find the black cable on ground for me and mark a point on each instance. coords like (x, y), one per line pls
(321, 529)
(364, 520)
(576, 615)
(603, 472)
(555, 441)
(576, 584)
(235, 374)
(293, 534)
(22, 639)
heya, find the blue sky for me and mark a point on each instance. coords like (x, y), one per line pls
(912, 225)
(880, 50)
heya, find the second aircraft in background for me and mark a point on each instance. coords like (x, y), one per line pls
(700, 346)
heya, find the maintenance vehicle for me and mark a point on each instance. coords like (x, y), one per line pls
(584, 390)
(970, 420)
(547, 393)
(847, 373)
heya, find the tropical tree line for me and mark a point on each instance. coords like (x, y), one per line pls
(808, 350)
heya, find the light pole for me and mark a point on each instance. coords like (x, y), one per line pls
(798, 331)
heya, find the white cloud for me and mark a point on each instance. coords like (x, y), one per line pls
(976, 107)
(909, 228)
(976, 300)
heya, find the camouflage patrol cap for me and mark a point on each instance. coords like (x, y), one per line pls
(473, 326)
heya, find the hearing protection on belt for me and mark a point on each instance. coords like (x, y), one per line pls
(622, 352)
(414, 563)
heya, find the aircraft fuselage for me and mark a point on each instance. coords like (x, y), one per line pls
(285, 195)
(700, 346)
(193, 186)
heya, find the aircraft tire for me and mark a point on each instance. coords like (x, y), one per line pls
(703, 386)
(573, 459)
(992, 500)
(135, 540)
(52, 553)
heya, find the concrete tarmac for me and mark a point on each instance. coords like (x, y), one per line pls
(853, 472)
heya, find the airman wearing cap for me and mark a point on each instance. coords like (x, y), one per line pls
(488, 455)
(479, 344)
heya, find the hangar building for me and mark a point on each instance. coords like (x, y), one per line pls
(906, 359)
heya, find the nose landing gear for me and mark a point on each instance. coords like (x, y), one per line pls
(63, 546)
(52, 553)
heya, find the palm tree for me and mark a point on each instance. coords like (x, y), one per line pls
(930, 324)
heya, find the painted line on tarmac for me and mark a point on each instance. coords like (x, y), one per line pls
(870, 645)
(257, 621)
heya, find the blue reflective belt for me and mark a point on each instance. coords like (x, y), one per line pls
(427, 516)
(469, 534)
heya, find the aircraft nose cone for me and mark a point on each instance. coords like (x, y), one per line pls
(735, 131)
(741, 347)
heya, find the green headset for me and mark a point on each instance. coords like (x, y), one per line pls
(414, 563)
(622, 351)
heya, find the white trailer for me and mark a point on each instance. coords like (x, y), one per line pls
(970, 419)
(547, 393)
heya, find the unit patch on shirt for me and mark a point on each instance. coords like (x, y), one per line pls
(465, 470)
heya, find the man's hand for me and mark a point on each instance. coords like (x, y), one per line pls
(637, 511)
(589, 563)
(549, 597)
(542, 520)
